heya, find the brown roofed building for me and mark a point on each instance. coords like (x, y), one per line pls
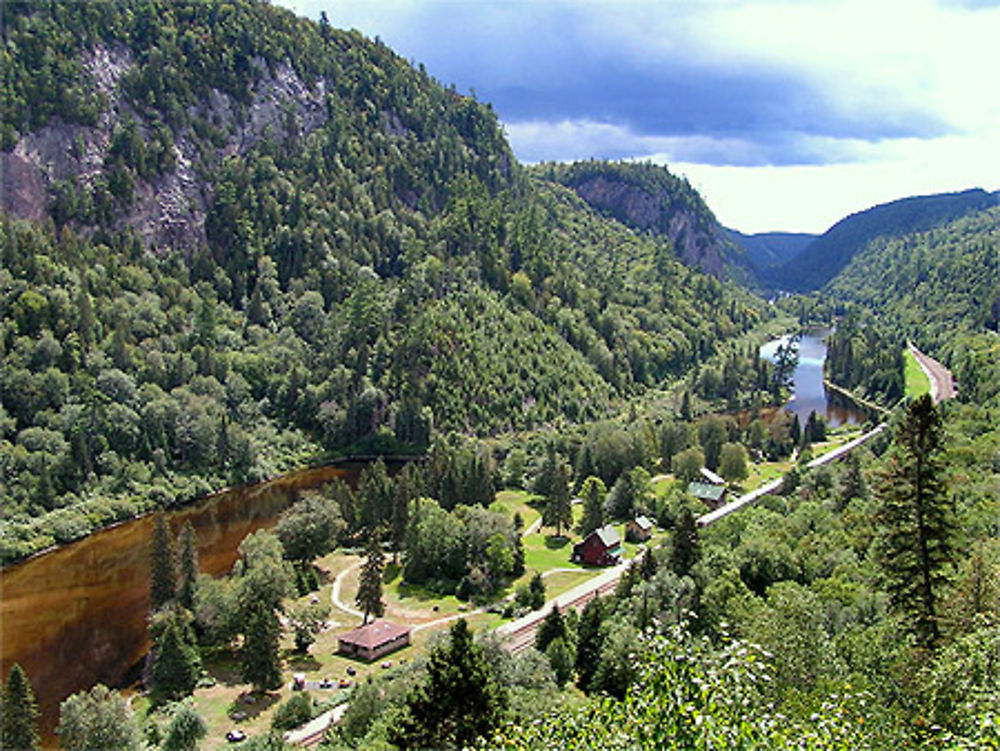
(374, 640)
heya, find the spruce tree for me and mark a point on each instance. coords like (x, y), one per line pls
(188, 544)
(369, 597)
(916, 521)
(458, 701)
(163, 585)
(261, 661)
(18, 712)
(593, 493)
(589, 642)
(685, 551)
(558, 508)
(552, 627)
(174, 673)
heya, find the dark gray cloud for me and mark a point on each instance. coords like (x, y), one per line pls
(652, 70)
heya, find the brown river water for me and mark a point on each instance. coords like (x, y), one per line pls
(77, 615)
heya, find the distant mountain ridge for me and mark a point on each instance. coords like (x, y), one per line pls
(827, 255)
(768, 249)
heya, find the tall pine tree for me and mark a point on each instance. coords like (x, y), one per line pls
(260, 657)
(18, 713)
(916, 521)
(163, 585)
(188, 545)
(593, 493)
(175, 668)
(369, 597)
(558, 509)
(685, 550)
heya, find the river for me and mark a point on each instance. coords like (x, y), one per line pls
(76, 616)
(809, 391)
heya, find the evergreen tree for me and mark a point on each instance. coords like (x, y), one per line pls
(536, 587)
(558, 507)
(260, 658)
(403, 492)
(684, 552)
(852, 483)
(561, 658)
(458, 701)
(174, 673)
(593, 493)
(916, 521)
(375, 496)
(589, 641)
(188, 544)
(369, 597)
(163, 586)
(18, 712)
(552, 627)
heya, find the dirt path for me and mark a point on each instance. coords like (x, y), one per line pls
(942, 383)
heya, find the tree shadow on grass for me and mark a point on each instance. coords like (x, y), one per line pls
(301, 662)
(224, 666)
(556, 542)
(249, 705)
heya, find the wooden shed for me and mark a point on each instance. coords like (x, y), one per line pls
(639, 529)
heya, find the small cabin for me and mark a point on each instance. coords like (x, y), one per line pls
(639, 529)
(711, 495)
(371, 641)
(602, 547)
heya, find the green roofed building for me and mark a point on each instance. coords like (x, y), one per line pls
(711, 495)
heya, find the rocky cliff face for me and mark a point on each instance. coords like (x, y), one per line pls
(650, 199)
(169, 208)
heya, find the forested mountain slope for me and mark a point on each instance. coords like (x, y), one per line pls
(823, 258)
(650, 199)
(940, 288)
(235, 239)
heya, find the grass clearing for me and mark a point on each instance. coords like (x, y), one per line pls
(917, 382)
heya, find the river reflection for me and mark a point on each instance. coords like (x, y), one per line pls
(809, 391)
(76, 616)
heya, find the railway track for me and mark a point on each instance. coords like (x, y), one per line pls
(523, 637)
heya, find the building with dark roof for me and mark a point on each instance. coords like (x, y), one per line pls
(711, 495)
(371, 641)
(602, 547)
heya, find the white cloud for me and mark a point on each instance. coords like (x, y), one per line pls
(811, 198)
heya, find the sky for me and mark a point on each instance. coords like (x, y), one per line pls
(784, 115)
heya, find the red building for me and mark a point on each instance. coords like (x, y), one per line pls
(602, 547)
(374, 640)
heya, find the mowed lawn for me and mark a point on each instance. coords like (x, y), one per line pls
(916, 380)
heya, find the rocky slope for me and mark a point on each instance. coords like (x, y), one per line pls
(650, 199)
